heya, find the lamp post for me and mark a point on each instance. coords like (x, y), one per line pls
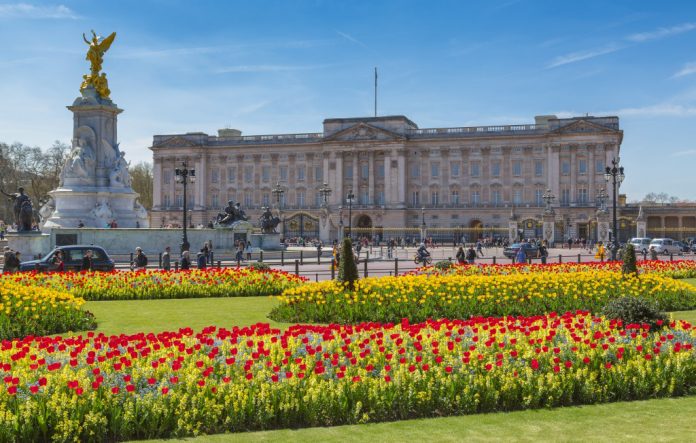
(185, 176)
(325, 192)
(602, 199)
(614, 175)
(349, 198)
(340, 223)
(278, 192)
(423, 224)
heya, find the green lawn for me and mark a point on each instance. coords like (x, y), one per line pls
(654, 420)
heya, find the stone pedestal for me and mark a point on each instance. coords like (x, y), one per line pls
(641, 229)
(512, 231)
(549, 229)
(266, 242)
(30, 244)
(95, 187)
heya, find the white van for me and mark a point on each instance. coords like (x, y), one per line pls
(665, 246)
(640, 244)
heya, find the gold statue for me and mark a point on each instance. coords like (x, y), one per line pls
(95, 55)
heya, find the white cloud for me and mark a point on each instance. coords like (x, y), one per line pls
(582, 55)
(658, 110)
(661, 32)
(684, 153)
(25, 10)
(351, 38)
(688, 69)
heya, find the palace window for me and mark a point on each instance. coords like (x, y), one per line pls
(248, 199)
(167, 201)
(475, 169)
(517, 168)
(495, 169)
(364, 170)
(415, 198)
(300, 173)
(266, 174)
(348, 171)
(565, 197)
(496, 197)
(539, 197)
(248, 173)
(454, 169)
(380, 170)
(231, 174)
(318, 200)
(538, 168)
(300, 199)
(415, 171)
(582, 166)
(434, 198)
(167, 176)
(565, 167)
(179, 200)
(214, 175)
(475, 198)
(266, 199)
(599, 166)
(434, 170)
(283, 173)
(583, 196)
(380, 197)
(365, 197)
(318, 173)
(517, 196)
(454, 197)
(215, 200)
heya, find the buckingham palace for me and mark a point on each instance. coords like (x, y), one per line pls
(468, 181)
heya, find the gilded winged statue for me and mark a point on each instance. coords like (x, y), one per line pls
(95, 55)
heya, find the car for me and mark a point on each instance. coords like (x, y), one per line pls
(640, 244)
(72, 257)
(683, 246)
(529, 249)
(665, 246)
(693, 247)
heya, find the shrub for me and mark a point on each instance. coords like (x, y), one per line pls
(40, 311)
(635, 310)
(347, 269)
(629, 260)
(260, 266)
(443, 265)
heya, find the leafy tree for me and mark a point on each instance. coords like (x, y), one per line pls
(629, 260)
(142, 182)
(347, 269)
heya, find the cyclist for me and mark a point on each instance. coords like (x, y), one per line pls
(423, 252)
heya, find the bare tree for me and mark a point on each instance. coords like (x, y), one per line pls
(142, 182)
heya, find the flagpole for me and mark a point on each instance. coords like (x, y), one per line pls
(375, 91)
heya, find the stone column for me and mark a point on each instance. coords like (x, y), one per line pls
(201, 182)
(573, 173)
(157, 180)
(603, 226)
(641, 224)
(549, 230)
(401, 182)
(591, 174)
(356, 175)
(387, 178)
(339, 193)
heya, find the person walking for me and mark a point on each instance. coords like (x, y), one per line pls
(601, 252)
(202, 260)
(319, 250)
(520, 256)
(206, 251)
(479, 248)
(543, 252)
(185, 261)
(57, 262)
(461, 256)
(167, 259)
(86, 261)
(240, 251)
(247, 250)
(140, 260)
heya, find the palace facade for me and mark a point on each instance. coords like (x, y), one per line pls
(459, 182)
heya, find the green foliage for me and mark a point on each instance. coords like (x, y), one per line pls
(260, 266)
(635, 310)
(443, 265)
(629, 260)
(347, 269)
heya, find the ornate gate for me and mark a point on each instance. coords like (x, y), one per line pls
(301, 225)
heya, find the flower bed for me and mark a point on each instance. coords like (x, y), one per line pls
(39, 311)
(228, 282)
(673, 269)
(419, 297)
(176, 384)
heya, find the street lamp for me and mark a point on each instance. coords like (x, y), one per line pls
(325, 192)
(548, 198)
(349, 198)
(278, 192)
(614, 175)
(423, 224)
(185, 176)
(340, 223)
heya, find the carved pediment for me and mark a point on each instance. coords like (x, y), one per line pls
(177, 142)
(582, 127)
(364, 132)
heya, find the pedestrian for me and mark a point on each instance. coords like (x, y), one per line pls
(240, 251)
(520, 256)
(601, 252)
(543, 253)
(167, 259)
(206, 250)
(479, 248)
(318, 249)
(185, 261)
(247, 249)
(461, 256)
(201, 260)
(57, 262)
(471, 255)
(570, 243)
(87, 261)
(653, 253)
(140, 260)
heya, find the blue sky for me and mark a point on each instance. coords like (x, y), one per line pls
(283, 66)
